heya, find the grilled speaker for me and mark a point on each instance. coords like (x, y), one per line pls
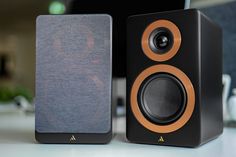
(174, 71)
(73, 78)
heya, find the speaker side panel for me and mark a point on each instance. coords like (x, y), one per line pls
(211, 76)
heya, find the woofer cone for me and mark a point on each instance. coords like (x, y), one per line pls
(135, 98)
(162, 98)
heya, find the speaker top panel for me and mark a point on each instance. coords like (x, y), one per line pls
(73, 73)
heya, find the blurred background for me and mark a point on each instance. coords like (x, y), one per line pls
(17, 55)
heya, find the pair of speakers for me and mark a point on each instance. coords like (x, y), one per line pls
(174, 70)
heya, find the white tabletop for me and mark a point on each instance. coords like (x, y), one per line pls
(17, 139)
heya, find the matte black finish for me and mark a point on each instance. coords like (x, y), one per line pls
(120, 10)
(81, 138)
(200, 58)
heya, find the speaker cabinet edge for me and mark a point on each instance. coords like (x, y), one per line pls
(70, 138)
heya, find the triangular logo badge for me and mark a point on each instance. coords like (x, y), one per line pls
(72, 138)
(161, 139)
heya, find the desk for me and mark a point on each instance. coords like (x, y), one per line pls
(17, 140)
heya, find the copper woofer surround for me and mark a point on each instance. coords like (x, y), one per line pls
(190, 98)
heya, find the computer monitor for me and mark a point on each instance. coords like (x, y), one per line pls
(120, 10)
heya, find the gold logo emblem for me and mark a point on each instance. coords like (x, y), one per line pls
(161, 139)
(72, 139)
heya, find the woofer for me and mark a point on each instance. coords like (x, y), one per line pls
(162, 98)
(174, 78)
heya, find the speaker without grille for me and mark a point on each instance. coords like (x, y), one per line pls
(174, 71)
(73, 78)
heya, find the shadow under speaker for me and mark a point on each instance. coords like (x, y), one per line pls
(73, 79)
(174, 72)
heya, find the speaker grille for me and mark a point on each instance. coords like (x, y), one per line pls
(73, 74)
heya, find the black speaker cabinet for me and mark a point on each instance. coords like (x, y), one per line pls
(174, 71)
(73, 79)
